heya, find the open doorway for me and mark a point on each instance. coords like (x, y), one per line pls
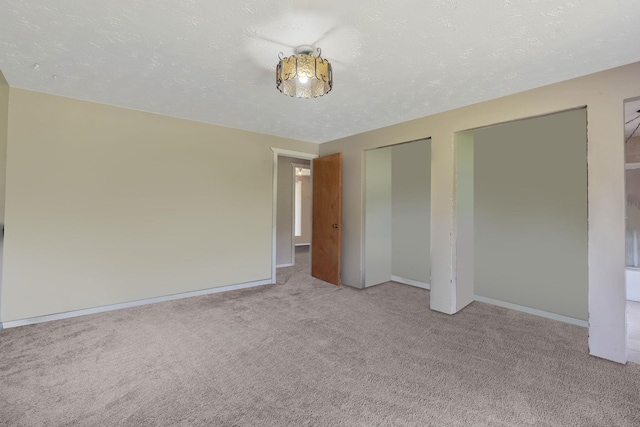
(302, 205)
(285, 163)
(290, 182)
(632, 226)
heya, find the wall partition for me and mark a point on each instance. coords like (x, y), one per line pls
(397, 214)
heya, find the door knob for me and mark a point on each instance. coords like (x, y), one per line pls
(335, 225)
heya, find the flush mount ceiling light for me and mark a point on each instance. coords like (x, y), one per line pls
(303, 75)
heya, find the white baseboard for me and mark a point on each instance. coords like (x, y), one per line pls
(111, 307)
(291, 264)
(534, 311)
(411, 282)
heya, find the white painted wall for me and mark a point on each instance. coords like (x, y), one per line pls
(305, 236)
(464, 227)
(633, 284)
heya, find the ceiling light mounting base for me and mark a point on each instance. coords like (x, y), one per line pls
(306, 49)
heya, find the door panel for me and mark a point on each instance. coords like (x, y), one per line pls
(327, 218)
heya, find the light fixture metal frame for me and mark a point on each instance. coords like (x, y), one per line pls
(304, 75)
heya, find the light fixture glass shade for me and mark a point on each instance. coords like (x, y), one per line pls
(303, 75)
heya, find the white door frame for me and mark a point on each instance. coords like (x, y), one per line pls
(286, 153)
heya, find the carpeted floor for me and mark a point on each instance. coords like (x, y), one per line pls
(306, 353)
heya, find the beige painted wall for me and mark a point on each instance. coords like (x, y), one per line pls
(411, 210)
(107, 205)
(604, 94)
(531, 213)
(4, 121)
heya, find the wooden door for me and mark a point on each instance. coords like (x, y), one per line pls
(327, 218)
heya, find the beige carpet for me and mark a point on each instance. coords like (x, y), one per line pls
(305, 353)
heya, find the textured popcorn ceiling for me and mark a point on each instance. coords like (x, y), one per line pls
(214, 61)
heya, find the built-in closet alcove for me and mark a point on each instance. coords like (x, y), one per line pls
(520, 205)
(530, 215)
(397, 214)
